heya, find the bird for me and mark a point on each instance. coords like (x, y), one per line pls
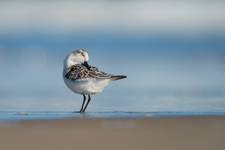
(84, 79)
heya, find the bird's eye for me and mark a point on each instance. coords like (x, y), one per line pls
(83, 54)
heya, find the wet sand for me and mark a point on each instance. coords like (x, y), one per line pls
(177, 133)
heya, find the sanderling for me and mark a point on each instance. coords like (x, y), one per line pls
(84, 79)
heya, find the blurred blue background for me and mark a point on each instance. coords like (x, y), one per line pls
(173, 53)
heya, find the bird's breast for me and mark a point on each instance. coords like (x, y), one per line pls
(87, 86)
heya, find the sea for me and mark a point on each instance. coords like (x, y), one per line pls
(167, 75)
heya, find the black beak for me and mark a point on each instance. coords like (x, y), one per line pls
(86, 64)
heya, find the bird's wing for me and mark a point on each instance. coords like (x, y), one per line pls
(81, 72)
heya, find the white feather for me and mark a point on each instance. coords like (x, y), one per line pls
(87, 86)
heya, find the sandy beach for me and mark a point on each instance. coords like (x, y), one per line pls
(176, 133)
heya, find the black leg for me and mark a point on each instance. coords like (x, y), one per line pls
(89, 99)
(83, 103)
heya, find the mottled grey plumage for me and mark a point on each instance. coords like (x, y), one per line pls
(80, 71)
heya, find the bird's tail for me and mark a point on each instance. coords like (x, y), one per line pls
(118, 77)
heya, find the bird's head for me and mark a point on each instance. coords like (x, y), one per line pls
(79, 56)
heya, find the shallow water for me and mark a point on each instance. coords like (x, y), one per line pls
(16, 116)
(166, 73)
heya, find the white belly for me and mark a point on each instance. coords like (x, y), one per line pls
(87, 86)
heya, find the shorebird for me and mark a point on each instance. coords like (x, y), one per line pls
(83, 78)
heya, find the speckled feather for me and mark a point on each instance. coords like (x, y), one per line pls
(79, 71)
